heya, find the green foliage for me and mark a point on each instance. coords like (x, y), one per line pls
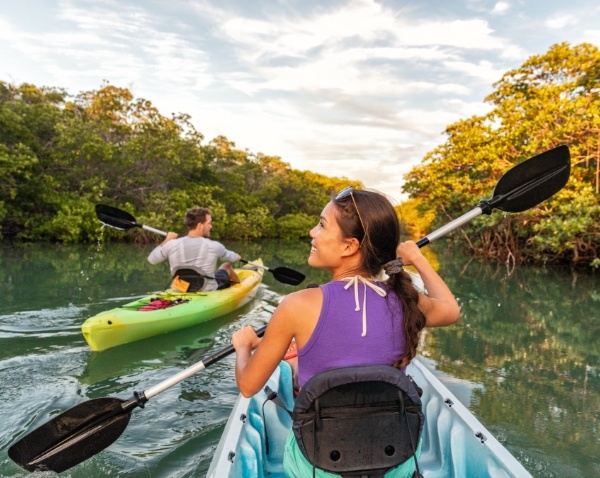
(295, 226)
(60, 155)
(552, 99)
(255, 224)
(73, 223)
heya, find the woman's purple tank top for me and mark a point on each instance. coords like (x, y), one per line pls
(337, 340)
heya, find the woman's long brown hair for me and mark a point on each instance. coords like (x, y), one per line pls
(379, 240)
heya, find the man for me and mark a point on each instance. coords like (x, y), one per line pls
(196, 251)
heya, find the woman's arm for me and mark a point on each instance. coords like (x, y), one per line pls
(295, 317)
(439, 305)
(252, 370)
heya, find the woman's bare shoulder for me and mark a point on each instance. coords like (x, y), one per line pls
(310, 293)
(303, 298)
(300, 311)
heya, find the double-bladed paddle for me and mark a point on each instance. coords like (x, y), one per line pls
(523, 186)
(119, 219)
(90, 427)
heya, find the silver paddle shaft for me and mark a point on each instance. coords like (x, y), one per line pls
(155, 231)
(456, 223)
(193, 369)
(174, 380)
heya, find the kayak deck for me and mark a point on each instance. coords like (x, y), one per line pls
(455, 443)
(127, 323)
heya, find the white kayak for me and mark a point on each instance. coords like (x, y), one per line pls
(455, 443)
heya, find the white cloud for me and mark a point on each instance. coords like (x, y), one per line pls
(501, 8)
(561, 20)
(353, 87)
(592, 36)
(482, 70)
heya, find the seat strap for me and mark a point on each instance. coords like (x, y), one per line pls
(200, 275)
(272, 396)
(417, 473)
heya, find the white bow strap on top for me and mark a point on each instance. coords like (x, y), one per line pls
(353, 281)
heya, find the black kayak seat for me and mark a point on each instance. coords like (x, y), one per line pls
(192, 277)
(359, 421)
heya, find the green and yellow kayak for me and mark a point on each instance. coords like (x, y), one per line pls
(169, 310)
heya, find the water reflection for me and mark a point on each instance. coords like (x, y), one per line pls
(529, 342)
(524, 356)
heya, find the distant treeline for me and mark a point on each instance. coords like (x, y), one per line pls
(60, 155)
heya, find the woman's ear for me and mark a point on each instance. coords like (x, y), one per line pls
(351, 246)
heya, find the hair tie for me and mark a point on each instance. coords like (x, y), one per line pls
(393, 267)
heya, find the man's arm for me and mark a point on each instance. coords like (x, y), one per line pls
(157, 256)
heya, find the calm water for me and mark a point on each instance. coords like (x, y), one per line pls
(525, 358)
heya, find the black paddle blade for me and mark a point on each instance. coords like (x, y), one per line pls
(287, 276)
(113, 217)
(532, 181)
(73, 436)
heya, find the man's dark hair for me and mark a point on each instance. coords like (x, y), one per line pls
(195, 216)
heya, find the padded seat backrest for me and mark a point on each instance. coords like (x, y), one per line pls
(358, 421)
(193, 278)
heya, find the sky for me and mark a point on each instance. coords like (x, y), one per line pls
(361, 89)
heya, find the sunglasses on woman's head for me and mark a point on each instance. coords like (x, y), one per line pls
(349, 191)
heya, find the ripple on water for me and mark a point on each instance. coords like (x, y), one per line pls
(543, 466)
(174, 435)
(29, 407)
(42, 323)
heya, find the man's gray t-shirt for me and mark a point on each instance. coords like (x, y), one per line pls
(198, 253)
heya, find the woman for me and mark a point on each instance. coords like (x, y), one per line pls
(355, 319)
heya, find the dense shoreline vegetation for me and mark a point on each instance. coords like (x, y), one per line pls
(551, 100)
(61, 154)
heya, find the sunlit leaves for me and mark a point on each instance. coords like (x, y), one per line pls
(552, 99)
